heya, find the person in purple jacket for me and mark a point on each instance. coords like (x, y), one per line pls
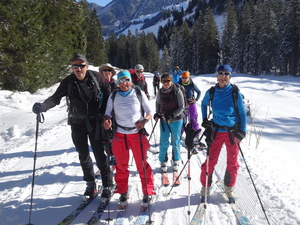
(229, 128)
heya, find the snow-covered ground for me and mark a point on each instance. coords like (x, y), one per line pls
(270, 149)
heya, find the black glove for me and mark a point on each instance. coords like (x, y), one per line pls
(169, 116)
(240, 134)
(37, 108)
(157, 115)
(206, 123)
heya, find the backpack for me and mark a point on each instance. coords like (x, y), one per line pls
(182, 89)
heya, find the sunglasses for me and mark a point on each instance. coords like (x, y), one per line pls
(165, 81)
(124, 80)
(139, 71)
(184, 77)
(107, 70)
(78, 66)
(224, 73)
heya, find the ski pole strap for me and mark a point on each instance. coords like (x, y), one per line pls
(40, 118)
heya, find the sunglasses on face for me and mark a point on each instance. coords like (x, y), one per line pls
(223, 73)
(124, 80)
(165, 81)
(107, 70)
(78, 66)
(139, 71)
(184, 77)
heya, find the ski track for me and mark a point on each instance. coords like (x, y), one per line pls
(58, 179)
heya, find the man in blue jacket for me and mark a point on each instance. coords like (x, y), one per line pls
(229, 128)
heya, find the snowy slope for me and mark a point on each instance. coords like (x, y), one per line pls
(272, 157)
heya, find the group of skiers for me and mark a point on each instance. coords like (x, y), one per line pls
(112, 114)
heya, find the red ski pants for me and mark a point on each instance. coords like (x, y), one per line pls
(120, 148)
(232, 160)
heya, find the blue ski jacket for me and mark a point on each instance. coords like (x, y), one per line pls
(224, 113)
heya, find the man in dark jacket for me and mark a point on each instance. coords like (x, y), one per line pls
(87, 93)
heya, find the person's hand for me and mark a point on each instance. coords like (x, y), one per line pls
(38, 108)
(238, 136)
(107, 123)
(206, 123)
(168, 116)
(140, 124)
(192, 101)
(157, 116)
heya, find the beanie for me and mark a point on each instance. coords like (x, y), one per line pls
(139, 67)
(185, 74)
(224, 67)
(124, 74)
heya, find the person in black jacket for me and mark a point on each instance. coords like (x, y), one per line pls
(87, 93)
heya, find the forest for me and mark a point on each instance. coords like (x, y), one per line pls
(38, 38)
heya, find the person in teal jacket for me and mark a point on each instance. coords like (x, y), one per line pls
(229, 126)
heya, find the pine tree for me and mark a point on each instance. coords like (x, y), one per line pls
(95, 51)
(36, 45)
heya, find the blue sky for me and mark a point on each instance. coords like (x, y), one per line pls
(100, 2)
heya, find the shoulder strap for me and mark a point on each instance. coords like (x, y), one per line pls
(211, 96)
(235, 90)
(100, 94)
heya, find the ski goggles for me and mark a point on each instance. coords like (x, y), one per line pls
(124, 80)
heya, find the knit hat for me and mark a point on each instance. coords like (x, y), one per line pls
(224, 67)
(107, 65)
(124, 74)
(185, 74)
(139, 67)
(78, 57)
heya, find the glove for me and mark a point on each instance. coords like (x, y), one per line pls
(206, 123)
(240, 134)
(37, 108)
(169, 116)
(157, 115)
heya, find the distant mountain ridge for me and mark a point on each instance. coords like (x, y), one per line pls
(120, 13)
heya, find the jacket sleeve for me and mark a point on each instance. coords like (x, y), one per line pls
(60, 92)
(180, 101)
(197, 90)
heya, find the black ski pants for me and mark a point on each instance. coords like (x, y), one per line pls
(80, 137)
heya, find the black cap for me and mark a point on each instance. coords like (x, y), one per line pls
(79, 57)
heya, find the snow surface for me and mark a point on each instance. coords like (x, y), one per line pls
(270, 149)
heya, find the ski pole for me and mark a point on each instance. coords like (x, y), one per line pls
(187, 162)
(107, 146)
(152, 129)
(261, 204)
(145, 176)
(39, 119)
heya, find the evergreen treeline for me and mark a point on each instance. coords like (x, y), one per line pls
(38, 38)
(258, 37)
